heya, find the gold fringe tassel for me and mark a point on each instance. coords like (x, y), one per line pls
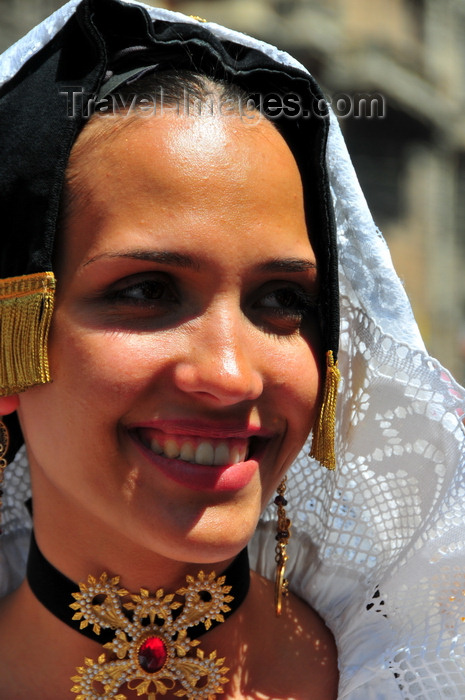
(26, 305)
(324, 429)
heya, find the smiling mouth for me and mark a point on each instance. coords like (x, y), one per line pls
(207, 452)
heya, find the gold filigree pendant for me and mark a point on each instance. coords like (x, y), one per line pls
(152, 653)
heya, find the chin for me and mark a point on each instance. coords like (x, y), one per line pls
(213, 538)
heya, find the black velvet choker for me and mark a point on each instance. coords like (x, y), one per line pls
(152, 637)
(55, 591)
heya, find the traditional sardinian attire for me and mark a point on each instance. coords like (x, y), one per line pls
(377, 545)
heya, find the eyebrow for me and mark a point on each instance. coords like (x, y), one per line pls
(164, 257)
(288, 265)
(171, 258)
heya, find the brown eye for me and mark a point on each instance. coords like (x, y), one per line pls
(288, 300)
(142, 292)
(284, 310)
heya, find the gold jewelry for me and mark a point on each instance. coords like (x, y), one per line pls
(4, 443)
(153, 637)
(324, 429)
(281, 588)
(26, 305)
(152, 648)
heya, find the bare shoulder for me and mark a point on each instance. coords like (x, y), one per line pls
(296, 651)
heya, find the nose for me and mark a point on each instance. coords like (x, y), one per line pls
(220, 366)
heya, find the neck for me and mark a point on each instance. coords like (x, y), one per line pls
(78, 544)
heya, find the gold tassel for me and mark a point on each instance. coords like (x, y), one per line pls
(26, 305)
(324, 429)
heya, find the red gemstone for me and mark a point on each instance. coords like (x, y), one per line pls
(152, 654)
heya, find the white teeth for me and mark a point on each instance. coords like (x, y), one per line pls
(235, 455)
(204, 453)
(155, 447)
(221, 454)
(171, 449)
(187, 452)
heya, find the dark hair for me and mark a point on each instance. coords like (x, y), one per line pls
(183, 91)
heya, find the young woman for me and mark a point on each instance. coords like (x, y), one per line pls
(175, 185)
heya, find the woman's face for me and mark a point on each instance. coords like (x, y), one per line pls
(184, 344)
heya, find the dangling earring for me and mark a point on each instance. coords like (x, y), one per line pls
(4, 442)
(282, 537)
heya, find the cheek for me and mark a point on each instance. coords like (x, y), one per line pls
(300, 364)
(92, 375)
(297, 379)
(100, 366)
(297, 389)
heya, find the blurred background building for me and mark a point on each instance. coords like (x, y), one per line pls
(407, 141)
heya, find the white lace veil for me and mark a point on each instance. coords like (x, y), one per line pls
(378, 546)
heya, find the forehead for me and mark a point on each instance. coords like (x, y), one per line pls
(185, 140)
(233, 178)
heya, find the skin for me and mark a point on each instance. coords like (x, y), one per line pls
(199, 342)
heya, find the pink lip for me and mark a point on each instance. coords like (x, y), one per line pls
(205, 429)
(196, 476)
